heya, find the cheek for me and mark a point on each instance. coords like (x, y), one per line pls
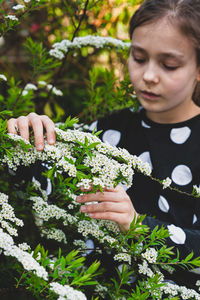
(133, 72)
(180, 85)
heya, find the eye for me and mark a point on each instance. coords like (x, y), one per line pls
(139, 60)
(170, 68)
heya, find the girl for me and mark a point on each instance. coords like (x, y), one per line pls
(164, 67)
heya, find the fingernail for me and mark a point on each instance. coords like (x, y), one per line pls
(51, 141)
(40, 147)
(83, 208)
(78, 198)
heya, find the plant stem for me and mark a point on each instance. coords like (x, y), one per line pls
(17, 285)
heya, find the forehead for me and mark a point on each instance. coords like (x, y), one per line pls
(162, 37)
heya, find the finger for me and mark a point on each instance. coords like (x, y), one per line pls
(50, 129)
(12, 125)
(36, 123)
(23, 126)
(99, 196)
(111, 216)
(106, 207)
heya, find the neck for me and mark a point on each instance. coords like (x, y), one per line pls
(175, 116)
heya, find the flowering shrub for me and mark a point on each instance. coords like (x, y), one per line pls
(79, 159)
(73, 258)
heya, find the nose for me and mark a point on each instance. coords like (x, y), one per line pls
(150, 74)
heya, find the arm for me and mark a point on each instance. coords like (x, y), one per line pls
(38, 123)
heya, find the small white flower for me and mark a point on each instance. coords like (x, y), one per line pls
(24, 93)
(42, 83)
(196, 189)
(12, 17)
(150, 255)
(56, 53)
(18, 7)
(3, 77)
(30, 86)
(166, 182)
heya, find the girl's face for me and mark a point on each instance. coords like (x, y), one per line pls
(164, 72)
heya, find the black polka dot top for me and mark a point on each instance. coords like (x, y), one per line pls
(172, 150)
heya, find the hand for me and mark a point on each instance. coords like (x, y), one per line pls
(38, 123)
(113, 204)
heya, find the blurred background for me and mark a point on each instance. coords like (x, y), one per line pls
(93, 81)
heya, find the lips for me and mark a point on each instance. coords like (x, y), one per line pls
(149, 95)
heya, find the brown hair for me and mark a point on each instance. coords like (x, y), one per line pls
(183, 13)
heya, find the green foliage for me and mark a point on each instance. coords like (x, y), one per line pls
(40, 61)
(88, 78)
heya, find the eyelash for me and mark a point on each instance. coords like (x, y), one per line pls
(169, 68)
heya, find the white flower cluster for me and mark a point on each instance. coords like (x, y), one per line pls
(61, 48)
(175, 290)
(25, 258)
(90, 228)
(24, 246)
(150, 255)
(32, 87)
(196, 189)
(144, 269)
(11, 17)
(55, 91)
(124, 257)
(79, 243)
(46, 211)
(108, 168)
(29, 87)
(166, 182)
(66, 292)
(3, 77)
(18, 7)
(110, 225)
(54, 234)
(7, 214)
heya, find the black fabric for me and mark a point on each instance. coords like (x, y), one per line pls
(174, 152)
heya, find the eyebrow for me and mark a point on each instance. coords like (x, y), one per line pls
(162, 55)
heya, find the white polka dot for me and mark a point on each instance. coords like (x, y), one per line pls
(90, 245)
(177, 235)
(180, 135)
(181, 175)
(194, 219)
(163, 204)
(93, 126)
(145, 124)
(145, 157)
(112, 137)
(49, 187)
